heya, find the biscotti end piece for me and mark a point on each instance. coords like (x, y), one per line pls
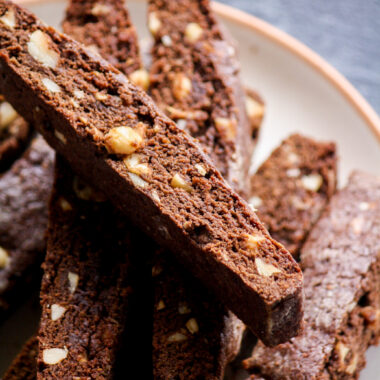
(24, 194)
(341, 266)
(292, 187)
(164, 176)
(195, 79)
(24, 366)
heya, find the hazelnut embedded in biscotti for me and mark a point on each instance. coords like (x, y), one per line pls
(60, 136)
(200, 169)
(160, 305)
(226, 127)
(73, 281)
(154, 23)
(351, 368)
(50, 85)
(183, 308)
(39, 49)
(167, 41)
(253, 241)
(193, 32)
(4, 258)
(100, 9)
(181, 86)
(7, 114)
(192, 325)
(342, 351)
(9, 18)
(179, 182)
(177, 337)
(312, 182)
(137, 181)
(264, 268)
(57, 311)
(123, 140)
(156, 270)
(54, 355)
(254, 108)
(140, 78)
(134, 164)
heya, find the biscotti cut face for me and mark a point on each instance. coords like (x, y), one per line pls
(341, 266)
(150, 169)
(194, 78)
(292, 187)
(24, 194)
(104, 26)
(24, 365)
(14, 135)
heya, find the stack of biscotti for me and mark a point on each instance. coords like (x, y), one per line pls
(24, 194)
(341, 267)
(137, 156)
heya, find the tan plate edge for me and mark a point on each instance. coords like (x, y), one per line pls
(302, 51)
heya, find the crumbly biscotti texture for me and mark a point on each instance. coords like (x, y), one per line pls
(292, 187)
(24, 194)
(104, 26)
(87, 287)
(194, 78)
(14, 135)
(24, 365)
(341, 266)
(115, 137)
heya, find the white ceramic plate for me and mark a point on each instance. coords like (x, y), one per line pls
(303, 94)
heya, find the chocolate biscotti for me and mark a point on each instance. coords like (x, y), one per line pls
(24, 194)
(24, 366)
(87, 288)
(194, 78)
(114, 136)
(14, 135)
(292, 187)
(341, 266)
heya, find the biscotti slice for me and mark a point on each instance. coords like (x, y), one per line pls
(292, 187)
(150, 169)
(194, 78)
(104, 26)
(24, 365)
(341, 266)
(24, 194)
(14, 135)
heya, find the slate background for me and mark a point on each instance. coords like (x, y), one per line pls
(346, 33)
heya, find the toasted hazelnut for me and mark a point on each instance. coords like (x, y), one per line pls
(181, 123)
(193, 32)
(351, 368)
(134, 165)
(79, 94)
(7, 114)
(65, 205)
(183, 308)
(192, 325)
(176, 113)
(179, 182)
(255, 201)
(123, 140)
(357, 225)
(60, 136)
(312, 182)
(154, 23)
(364, 206)
(371, 316)
(4, 258)
(342, 351)
(293, 158)
(264, 268)
(137, 181)
(181, 86)
(253, 241)
(82, 358)
(50, 85)
(201, 169)
(101, 96)
(293, 173)
(177, 337)
(166, 41)
(54, 355)
(155, 196)
(57, 311)
(226, 127)
(9, 18)
(299, 204)
(156, 270)
(100, 10)
(140, 78)
(160, 305)
(38, 48)
(73, 281)
(254, 108)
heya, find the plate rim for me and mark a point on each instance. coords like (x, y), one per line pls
(297, 48)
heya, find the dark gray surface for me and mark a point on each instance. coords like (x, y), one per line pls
(344, 32)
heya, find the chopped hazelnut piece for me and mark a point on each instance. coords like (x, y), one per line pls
(293, 158)
(254, 108)
(155, 196)
(181, 86)
(179, 182)
(137, 181)
(264, 268)
(54, 355)
(4, 258)
(177, 337)
(7, 114)
(193, 32)
(82, 358)
(192, 325)
(312, 182)
(65, 205)
(201, 169)
(73, 281)
(181, 123)
(123, 140)
(134, 165)
(293, 173)
(156, 270)
(154, 23)
(364, 206)
(342, 351)
(60, 136)
(183, 308)
(100, 96)
(79, 94)
(226, 127)
(38, 48)
(100, 10)
(351, 368)
(50, 85)
(160, 305)
(253, 241)
(166, 41)
(57, 311)
(357, 225)
(255, 201)
(140, 78)
(9, 19)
